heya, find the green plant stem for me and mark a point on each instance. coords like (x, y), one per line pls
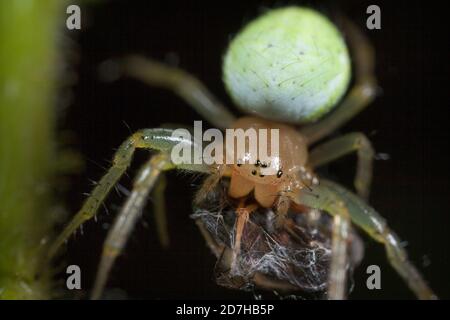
(28, 69)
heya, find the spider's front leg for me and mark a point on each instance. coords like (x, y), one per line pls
(159, 207)
(374, 225)
(156, 139)
(337, 279)
(128, 215)
(162, 140)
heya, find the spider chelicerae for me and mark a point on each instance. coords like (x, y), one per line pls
(287, 68)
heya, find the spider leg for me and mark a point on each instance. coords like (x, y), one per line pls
(125, 221)
(282, 205)
(362, 93)
(159, 207)
(242, 216)
(183, 84)
(336, 148)
(375, 226)
(337, 281)
(210, 182)
(156, 139)
(216, 249)
(339, 246)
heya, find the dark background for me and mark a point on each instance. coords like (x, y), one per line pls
(408, 122)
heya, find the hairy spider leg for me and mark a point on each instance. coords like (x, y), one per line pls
(218, 172)
(154, 139)
(373, 224)
(337, 279)
(242, 216)
(339, 246)
(127, 217)
(184, 85)
(361, 94)
(159, 208)
(341, 146)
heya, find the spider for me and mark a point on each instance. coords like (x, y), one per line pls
(287, 69)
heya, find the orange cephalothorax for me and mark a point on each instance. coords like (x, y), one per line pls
(275, 173)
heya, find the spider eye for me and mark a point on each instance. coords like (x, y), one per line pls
(254, 172)
(239, 164)
(279, 173)
(258, 163)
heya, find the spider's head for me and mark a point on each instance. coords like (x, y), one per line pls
(269, 171)
(272, 150)
(273, 165)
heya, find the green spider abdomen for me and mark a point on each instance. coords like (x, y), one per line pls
(290, 64)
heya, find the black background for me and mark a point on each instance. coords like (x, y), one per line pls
(408, 122)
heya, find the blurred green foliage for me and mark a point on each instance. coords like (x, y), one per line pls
(29, 61)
